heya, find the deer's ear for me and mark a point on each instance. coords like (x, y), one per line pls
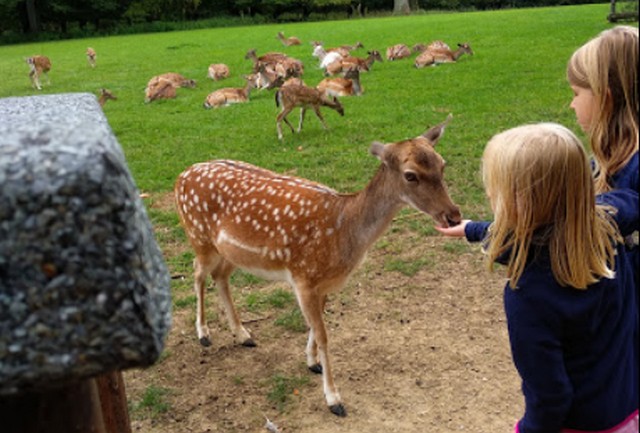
(377, 150)
(434, 134)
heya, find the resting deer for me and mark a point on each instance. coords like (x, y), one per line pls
(218, 71)
(38, 65)
(347, 86)
(343, 50)
(286, 228)
(91, 57)
(159, 89)
(287, 42)
(435, 56)
(176, 79)
(363, 65)
(325, 58)
(230, 95)
(105, 95)
(304, 97)
(397, 52)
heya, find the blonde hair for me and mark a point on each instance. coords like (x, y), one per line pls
(539, 181)
(608, 66)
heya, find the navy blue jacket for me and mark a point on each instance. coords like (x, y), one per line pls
(575, 350)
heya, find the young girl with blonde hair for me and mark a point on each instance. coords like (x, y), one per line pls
(569, 299)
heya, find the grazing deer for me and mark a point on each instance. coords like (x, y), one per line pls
(286, 228)
(347, 86)
(230, 95)
(287, 42)
(91, 57)
(218, 71)
(159, 89)
(435, 56)
(38, 65)
(105, 95)
(304, 97)
(397, 52)
(363, 65)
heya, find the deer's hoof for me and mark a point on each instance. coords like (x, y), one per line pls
(338, 410)
(249, 343)
(205, 341)
(316, 368)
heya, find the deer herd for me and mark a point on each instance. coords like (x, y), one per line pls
(286, 228)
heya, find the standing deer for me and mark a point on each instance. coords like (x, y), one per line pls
(230, 95)
(38, 65)
(435, 56)
(91, 57)
(304, 97)
(285, 228)
(287, 42)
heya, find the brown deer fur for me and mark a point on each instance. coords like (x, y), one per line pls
(231, 95)
(304, 97)
(38, 65)
(286, 228)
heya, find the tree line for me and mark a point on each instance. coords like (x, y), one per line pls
(31, 17)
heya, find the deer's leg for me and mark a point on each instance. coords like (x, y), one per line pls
(303, 110)
(312, 308)
(283, 116)
(312, 348)
(203, 265)
(317, 111)
(221, 275)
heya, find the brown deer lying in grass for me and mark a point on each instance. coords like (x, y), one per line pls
(286, 228)
(304, 97)
(434, 56)
(164, 86)
(339, 86)
(105, 95)
(38, 65)
(176, 79)
(287, 42)
(218, 71)
(363, 65)
(230, 95)
(91, 57)
(343, 50)
(398, 51)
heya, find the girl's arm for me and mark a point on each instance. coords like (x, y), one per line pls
(473, 231)
(626, 202)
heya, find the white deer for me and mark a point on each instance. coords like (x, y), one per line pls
(285, 228)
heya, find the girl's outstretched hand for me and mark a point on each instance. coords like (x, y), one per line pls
(455, 231)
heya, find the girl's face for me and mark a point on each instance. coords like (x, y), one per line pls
(583, 103)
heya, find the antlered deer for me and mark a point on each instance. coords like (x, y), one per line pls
(304, 97)
(91, 57)
(230, 95)
(38, 65)
(435, 56)
(287, 42)
(285, 228)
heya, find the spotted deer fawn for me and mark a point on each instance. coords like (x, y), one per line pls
(91, 57)
(286, 228)
(304, 97)
(38, 65)
(287, 42)
(230, 95)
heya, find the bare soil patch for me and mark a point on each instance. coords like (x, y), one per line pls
(412, 354)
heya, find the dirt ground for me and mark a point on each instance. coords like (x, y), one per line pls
(427, 353)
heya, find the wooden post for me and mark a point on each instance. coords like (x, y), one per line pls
(113, 400)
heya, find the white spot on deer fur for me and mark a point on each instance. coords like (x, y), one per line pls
(329, 232)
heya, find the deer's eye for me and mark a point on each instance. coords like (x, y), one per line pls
(410, 176)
